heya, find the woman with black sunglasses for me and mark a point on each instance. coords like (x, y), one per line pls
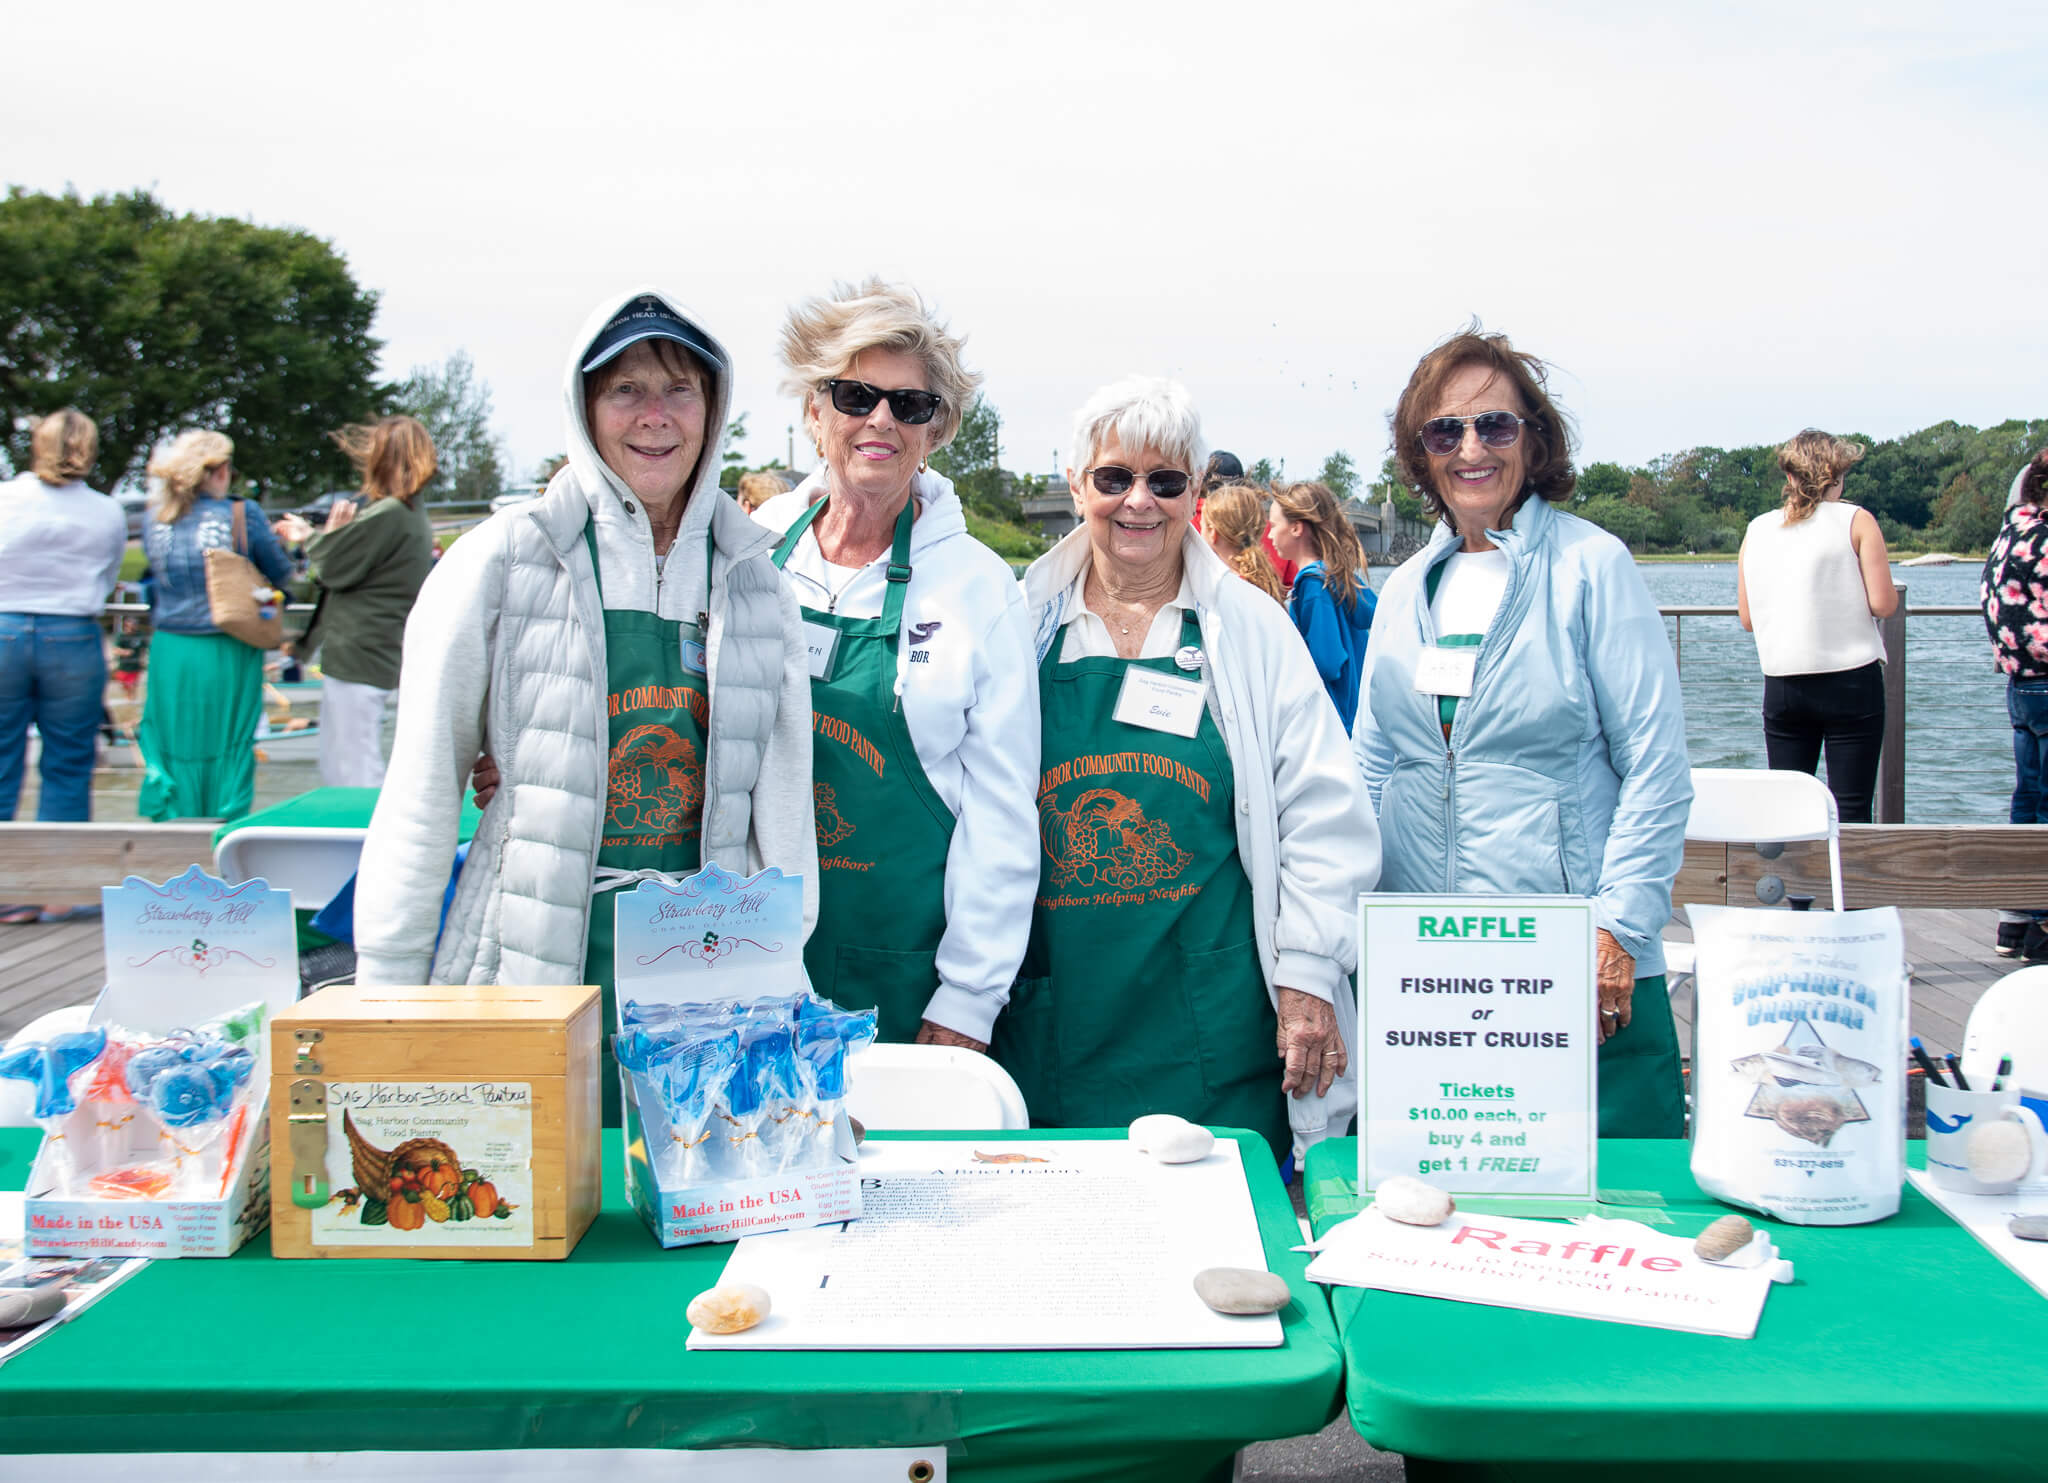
(1520, 724)
(1204, 836)
(925, 705)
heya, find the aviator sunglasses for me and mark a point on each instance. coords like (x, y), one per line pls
(1442, 435)
(857, 399)
(1164, 483)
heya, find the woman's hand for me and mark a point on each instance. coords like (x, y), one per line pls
(339, 514)
(1616, 978)
(931, 1034)
(484, 779)
(1309, 1043)
(294, 529)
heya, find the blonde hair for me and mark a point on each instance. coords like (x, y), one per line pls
(1315, 506)
(756, 490)
(1813, 462)
(394, 457)
(183, 467)
(824, 336)
(64, 445)
(1237, 515)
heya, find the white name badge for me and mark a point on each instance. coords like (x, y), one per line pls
(822, 641)
(1159, 702)
(1445, 671)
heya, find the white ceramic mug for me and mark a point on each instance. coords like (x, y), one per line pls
(1952, 1116)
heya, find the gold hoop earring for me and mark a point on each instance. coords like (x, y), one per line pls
(923, 464)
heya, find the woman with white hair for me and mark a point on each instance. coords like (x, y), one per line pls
(1205, 836)
(925, 709)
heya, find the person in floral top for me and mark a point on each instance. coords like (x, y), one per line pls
(2015, 598)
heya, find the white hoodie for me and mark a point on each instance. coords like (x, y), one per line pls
(505, 652)
(970, 702)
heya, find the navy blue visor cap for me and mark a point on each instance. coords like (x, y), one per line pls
(647, 318)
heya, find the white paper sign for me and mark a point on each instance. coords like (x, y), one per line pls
(1476, 1029)
(1159, 702)
(1012, 1243)
(1614, 1270)
(1989, 1219)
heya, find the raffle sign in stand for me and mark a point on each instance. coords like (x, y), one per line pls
(1476, 1022)
(180, 954)
(714, 936)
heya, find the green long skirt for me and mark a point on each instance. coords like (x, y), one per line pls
(198, 733)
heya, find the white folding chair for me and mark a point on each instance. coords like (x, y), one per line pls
(922, 1088)
(1757, 805)
(311, 863)
(2011, 1019)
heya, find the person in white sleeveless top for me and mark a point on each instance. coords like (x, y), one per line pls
(1812, 580)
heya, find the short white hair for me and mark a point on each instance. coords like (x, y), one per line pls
(1148, 412)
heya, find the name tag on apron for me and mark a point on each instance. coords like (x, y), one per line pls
(1159, 702)
(823, 643)
(693, 656)
(1445, 671)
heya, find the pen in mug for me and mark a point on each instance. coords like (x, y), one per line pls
(2004, 1070)
(1927, 1063)
(1955, 1069)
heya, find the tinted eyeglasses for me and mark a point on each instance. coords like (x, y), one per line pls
(1114, 481)
(857, 399)
(1442, 435)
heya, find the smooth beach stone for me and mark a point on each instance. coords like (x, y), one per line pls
(2029, 1227)
(1998, 1152)
(729, 1310)
(1412, 1202)
(1723, 1238)
(21, 1307)
(1241, 1290)
(1170, 1139)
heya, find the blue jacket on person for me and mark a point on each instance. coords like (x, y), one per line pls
(1565, 770)
(177, 563)
(1336, 638)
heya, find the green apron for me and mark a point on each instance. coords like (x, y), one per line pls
(883, 833)
(1641, 1095)
(1142, 989)
(660, 709)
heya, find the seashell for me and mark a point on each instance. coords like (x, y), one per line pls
(729, 1310)
(2029, 1227)
(1723, 1238)
(1997, 1152)
(1170, 1139)
(1412, 1202)
(1241, 1290)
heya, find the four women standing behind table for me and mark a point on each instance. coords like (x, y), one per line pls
(922, 687)
(1812, 579)
(1203, 835)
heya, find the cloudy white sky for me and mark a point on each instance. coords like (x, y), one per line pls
(1722, 222)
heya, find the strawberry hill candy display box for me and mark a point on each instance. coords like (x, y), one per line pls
(153, 1115)
(451, 1121)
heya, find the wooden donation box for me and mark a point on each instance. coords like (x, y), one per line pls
(450, 1121)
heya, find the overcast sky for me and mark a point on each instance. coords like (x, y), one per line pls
(1721, 222)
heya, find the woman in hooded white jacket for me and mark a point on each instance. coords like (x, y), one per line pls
(632, 662)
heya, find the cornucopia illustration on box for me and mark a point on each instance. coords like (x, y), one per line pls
(421, 1181)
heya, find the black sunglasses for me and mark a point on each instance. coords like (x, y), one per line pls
(1164, 483)
(1442, 435)
(857, 399)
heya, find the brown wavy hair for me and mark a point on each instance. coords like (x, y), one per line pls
(1547, 434)
(1343, 559)
(1812, 462)
(65, 445)
(1237, 514)
(394, 456)
(2034, 488)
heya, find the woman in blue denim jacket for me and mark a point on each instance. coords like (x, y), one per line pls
(205, 689)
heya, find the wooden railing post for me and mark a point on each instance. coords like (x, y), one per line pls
(1891, 762)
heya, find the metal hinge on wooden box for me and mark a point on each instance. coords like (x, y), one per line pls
(448, 1121)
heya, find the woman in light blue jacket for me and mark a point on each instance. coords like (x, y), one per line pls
(1545, 751)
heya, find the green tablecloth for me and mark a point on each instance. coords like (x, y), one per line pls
(333, 808)
(1904, 1349)
(252, 1354)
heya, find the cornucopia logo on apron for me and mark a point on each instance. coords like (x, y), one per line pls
(1106, 841)
(654, 784)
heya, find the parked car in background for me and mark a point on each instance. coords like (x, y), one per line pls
(134, 508)
(316, 512)
(513, 497)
